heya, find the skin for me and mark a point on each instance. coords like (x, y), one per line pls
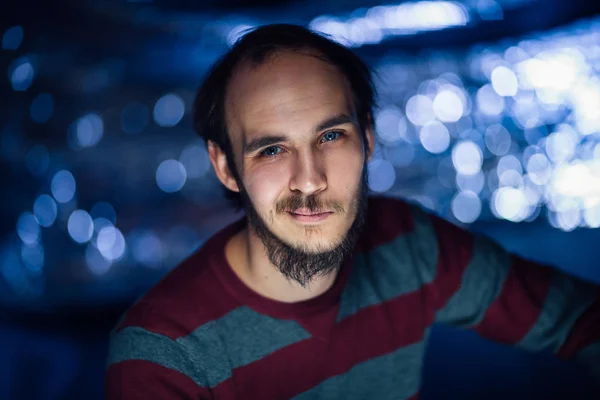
(297, 110)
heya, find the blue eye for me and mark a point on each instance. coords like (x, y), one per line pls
(271, 151)
(329, 136)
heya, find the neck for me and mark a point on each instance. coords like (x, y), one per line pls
(249, 260)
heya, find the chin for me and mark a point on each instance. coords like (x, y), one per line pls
(315, 243)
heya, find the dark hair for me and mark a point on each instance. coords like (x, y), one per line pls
(256, 47)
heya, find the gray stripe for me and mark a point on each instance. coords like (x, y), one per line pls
(393, 269)
(248, 336)
(567, 299)
(135, 343)
(396, 375)
(239, 338)
(481, 284)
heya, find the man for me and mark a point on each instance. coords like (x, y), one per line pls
(320, 292)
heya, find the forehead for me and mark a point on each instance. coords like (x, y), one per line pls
(290, 89)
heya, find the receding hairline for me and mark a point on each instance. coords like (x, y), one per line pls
(247, 62)
(247, 65)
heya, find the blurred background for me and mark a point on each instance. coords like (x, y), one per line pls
(489, 115)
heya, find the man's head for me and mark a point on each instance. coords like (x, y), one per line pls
(287, 116)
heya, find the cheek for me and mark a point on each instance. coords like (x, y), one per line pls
(265, 184)
(344, 171)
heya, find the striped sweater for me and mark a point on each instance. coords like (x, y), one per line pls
(201, 333)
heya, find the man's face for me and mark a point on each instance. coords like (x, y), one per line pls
(298, 150)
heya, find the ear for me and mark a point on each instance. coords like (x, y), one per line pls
(370, 136)
(218, 159)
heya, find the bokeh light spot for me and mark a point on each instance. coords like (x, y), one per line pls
(466, 206)
(382, 175)
(111, 243)
(434, 137)
(89, 130)
(171, 175)
(28, 229)
(169, 110)
(21, 74)
(467, 157)
(12, 38)
(80, 226)
(63, 186)
(45, 210)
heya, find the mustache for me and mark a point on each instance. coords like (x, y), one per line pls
(313, 203)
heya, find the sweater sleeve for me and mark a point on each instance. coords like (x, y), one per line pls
(476, 284)
(146, 365)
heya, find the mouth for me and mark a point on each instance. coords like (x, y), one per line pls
(304, 215)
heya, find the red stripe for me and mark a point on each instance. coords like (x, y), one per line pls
(585, 331)
(303, 365)
(139, 379)
(519, 304)
(455, 250)
(386, 220)
(177, 305)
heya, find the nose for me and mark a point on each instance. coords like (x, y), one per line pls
(309, 174)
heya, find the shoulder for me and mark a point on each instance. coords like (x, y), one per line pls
(185, 299)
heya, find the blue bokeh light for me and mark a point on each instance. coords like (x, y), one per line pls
(504, 81)
(171, 175)
(489, 102)
(382, 175)
(63, 186)
(448, 106)
(434, 137)
(21, 74)
(372, 25)
(497, 139)
(391, 125)
(466, 206)
(419, 110)
(33, 258)
(45, 210)
(111, 243)
(28, 229)
(195, 161)
(169, 110)
(80, 226)
(89, 130)
(467, 157)
(12, 38)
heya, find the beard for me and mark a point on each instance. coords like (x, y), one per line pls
(299, 262)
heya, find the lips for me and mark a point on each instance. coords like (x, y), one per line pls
(306, 212)
(307, 216)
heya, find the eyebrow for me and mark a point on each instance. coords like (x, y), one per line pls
(269, 140)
